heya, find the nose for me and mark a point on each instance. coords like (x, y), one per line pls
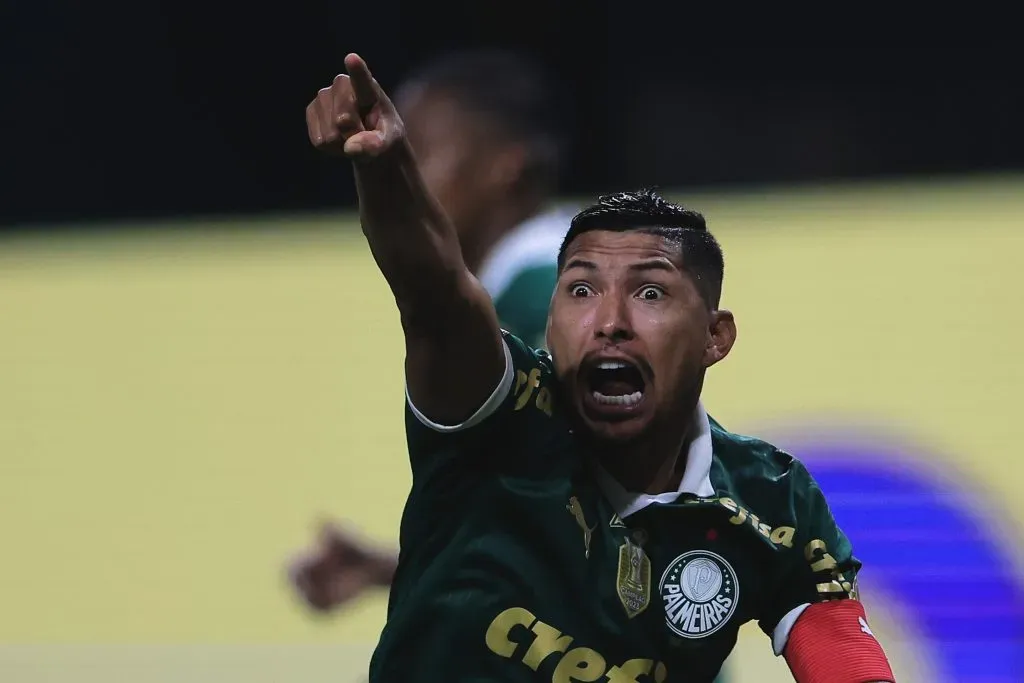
(612, 318)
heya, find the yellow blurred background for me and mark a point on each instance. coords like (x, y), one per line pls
(180, 404)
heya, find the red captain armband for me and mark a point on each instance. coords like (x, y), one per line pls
(832, 643)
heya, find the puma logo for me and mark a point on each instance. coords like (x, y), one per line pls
(576, 510)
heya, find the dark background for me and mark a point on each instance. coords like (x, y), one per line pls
(153, 109)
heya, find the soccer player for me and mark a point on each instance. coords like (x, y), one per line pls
(489, 147)
(564, 522)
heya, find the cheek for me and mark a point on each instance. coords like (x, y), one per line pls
(677, 346)
(565, 331)
(575, 316)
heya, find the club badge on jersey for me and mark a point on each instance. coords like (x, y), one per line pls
(700, 591)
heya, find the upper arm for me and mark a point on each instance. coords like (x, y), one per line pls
(814, 616)
(454, 354)
(505, 427)
(819, 567)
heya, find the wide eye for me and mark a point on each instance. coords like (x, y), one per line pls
(651, 293)
(580, 290)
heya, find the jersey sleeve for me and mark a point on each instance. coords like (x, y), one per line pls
(525, 373)
(819, 566)
(494, 403)
(523, 305)
(519, 406)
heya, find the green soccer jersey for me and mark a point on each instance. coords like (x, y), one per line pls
(520, 274)
(521, 560)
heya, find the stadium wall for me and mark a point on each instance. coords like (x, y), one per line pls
(180, 406)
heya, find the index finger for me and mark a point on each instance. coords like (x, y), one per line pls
(362, 82)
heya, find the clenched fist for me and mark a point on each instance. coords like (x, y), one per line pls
(353, 116)
(338, 568)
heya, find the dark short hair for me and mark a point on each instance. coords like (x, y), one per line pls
(512, 92)
(648, 212)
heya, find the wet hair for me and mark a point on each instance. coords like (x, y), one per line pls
(513, 94)
(648, 212)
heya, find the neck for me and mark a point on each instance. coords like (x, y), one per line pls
(655, 463)
(649, 466)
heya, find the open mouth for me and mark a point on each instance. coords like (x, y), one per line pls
(615, 383)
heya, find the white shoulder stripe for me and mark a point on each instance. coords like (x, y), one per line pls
(492, 403)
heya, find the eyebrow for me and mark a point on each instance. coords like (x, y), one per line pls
(580, 264)
(654, 264)
(651, 264)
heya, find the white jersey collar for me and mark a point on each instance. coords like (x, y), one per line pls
(696, 475)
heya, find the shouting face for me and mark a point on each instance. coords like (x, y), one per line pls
(630, 333)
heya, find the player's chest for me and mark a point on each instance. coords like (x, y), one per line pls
(670, 583)
(682, 576)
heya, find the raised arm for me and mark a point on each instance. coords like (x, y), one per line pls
(454, 353)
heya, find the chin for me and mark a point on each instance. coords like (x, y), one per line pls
(619, 432)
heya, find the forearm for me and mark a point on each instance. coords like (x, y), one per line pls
(410, 237)
(447, 317)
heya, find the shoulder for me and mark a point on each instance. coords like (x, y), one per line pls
(527, 380)
(746, 458)
(764, 477)
(528, 359)
(772, 492)
(515, 432)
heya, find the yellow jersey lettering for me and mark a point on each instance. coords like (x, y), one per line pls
(783, 536)
(630, 671)
(498, 636)
(515, 627)
(816, 553)
(830, 587)
(729, 504)
(544, 401)
(532, 382)
(739, 517)
(520, 382)
(579, 664)
(547, 641)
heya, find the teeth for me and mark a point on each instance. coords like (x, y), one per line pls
(627, 400)
(611, 365)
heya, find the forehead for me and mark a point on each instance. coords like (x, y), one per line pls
(611, 250)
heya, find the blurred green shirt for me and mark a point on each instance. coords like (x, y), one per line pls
(521, 271)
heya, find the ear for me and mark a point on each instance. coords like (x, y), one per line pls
(721, 336)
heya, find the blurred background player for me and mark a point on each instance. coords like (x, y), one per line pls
(490, 149)
(490, 145)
